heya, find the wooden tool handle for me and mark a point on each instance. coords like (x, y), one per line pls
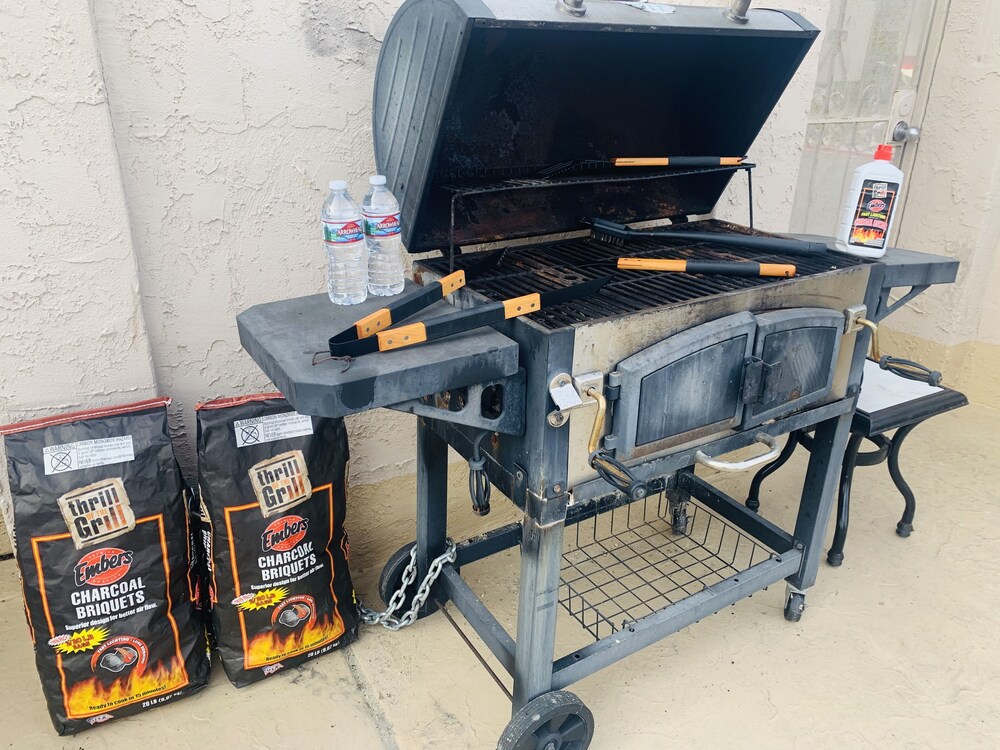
(785, 270)
(396, 338)
(678, 161)
(729, 267)
(652, 264)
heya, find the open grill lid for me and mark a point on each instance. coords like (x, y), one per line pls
(471, 95)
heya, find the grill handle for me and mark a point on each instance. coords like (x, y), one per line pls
(761, 437)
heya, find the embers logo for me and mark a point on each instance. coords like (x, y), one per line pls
(876, 205)
(281, 482)
(102, 566)
(97, 512)
(283, 534)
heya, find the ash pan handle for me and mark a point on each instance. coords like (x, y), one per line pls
(751, 463)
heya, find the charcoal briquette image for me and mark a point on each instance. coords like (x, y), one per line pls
(272, 484)
(102, 544)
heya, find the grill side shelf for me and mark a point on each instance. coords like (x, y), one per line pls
(283, 336)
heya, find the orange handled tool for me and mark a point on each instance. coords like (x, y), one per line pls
(678, 161)
(729, 267)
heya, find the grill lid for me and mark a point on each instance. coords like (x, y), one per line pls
(473, 95)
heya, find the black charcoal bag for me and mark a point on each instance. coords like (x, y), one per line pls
(272, 484)
(102, 542)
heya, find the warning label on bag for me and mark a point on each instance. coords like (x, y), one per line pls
(87, 453)
(272, 427)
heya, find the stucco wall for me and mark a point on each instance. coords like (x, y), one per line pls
(230, 119)
(71, 328)
(954, 207)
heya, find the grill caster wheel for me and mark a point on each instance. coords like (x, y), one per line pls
(392, 577)
(795, 605)
(553, 721)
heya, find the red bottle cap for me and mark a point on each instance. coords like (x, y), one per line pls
(883, 152)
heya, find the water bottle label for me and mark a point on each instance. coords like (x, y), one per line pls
(342, 232)
(382, 225)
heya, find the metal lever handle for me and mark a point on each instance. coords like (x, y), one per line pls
(761, 437)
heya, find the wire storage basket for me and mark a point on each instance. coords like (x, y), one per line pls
(634, 560)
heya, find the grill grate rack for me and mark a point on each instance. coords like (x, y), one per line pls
(626, 564)
(560, 263)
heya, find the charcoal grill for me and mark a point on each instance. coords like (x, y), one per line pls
(494, 122)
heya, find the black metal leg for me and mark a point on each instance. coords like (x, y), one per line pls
(432, 496)
(835, 556)
(753, 497)
(541, 555)
(828, 446)
(905, 525)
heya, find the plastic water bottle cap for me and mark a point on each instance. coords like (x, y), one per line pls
(376, 179)
(338, 185)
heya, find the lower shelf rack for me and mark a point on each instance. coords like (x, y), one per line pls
(634, 560)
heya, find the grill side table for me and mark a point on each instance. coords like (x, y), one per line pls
(888, 402)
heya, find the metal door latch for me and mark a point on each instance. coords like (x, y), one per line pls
(569, 393)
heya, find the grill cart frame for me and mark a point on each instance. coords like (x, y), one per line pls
(277, 334)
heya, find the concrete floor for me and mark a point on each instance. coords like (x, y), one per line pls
(898, 648)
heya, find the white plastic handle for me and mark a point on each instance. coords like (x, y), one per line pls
(761, 437)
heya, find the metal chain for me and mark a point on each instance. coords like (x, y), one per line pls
(387, 618)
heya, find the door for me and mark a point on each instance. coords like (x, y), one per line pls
(796, 353)
(728, 374)
(684, 387)
(875, 67)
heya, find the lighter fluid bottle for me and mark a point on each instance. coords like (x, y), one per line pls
(871, 206)
(380, 212)
(343, 237)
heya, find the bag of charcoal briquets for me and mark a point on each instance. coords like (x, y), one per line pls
(101, 537)
(273, 491)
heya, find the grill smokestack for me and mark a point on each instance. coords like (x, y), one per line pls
(737, 12)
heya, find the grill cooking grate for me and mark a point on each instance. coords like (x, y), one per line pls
(627, 563)
(529, 268)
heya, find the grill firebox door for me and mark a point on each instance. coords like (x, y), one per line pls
(685, 387)
(797, 350)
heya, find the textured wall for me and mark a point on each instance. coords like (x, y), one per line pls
(230, 118)
(954, 196)
(953, 208)
(71, 328)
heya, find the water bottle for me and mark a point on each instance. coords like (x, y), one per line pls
(380, 212)
(346, 261)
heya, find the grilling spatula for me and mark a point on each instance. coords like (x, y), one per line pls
(461, 321)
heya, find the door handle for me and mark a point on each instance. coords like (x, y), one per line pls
(905, 133)
(719, 465)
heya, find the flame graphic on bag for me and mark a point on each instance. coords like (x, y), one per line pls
(93, 696)
(274, 645)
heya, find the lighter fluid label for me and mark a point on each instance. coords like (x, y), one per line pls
(87, 453)
(272, 427)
